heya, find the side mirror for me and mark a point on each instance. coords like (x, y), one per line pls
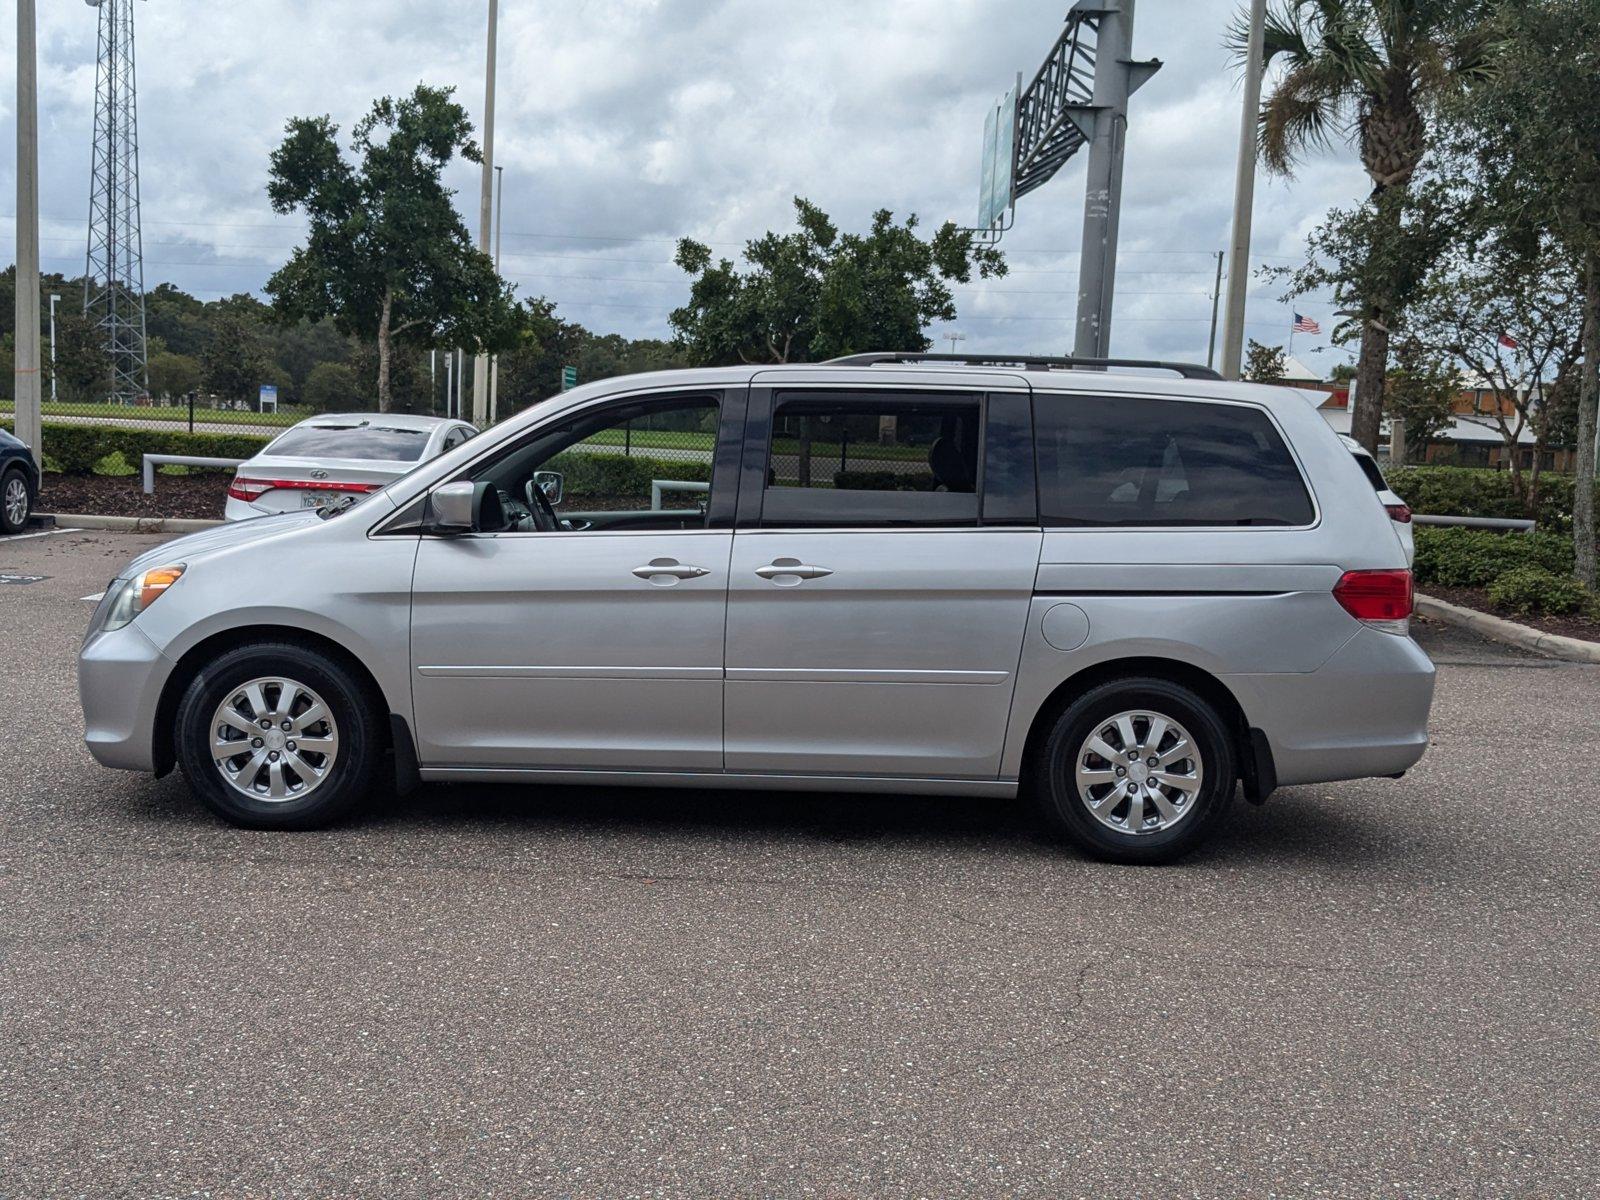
(552, 483)
(450, 507)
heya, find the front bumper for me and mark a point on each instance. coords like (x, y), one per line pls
(120, 677)
(1362, 713)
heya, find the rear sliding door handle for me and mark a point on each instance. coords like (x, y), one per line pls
(667, 569)
(793, 568)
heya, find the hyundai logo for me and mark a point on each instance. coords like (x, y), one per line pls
(319, 474)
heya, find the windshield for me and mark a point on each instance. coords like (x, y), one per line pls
(361, 440)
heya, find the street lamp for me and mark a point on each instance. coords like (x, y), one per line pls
(494, 363)
(953, 337)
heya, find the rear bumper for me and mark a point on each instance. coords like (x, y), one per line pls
(1363, 713)
(120, 677)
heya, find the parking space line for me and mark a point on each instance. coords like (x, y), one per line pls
(20, 537)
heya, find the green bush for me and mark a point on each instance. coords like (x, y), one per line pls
(1456, 557)
(1535, 590)
(620, 474)
(76, 448)
(50, 465)
(114, 464)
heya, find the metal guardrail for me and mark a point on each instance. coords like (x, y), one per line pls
(657, 486)
(152, 461)
(1506, 524)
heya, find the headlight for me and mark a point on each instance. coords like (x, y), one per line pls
(125, 599)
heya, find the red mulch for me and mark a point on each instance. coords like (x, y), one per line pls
(1585, 628)
(199, 495)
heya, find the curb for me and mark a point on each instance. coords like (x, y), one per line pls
(1498, 629)
(131, 524)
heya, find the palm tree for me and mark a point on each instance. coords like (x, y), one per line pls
(1370, 73)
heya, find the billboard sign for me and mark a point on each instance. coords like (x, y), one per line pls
(999, 149)
(268, 398)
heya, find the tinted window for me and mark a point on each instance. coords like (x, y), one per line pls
(352, 441)
(872, 459)
(1369, 468)
(1124, 461)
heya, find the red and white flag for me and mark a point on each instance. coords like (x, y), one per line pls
(1305, 325)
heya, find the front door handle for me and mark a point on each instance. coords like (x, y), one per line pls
(792, 568)
(666, 570)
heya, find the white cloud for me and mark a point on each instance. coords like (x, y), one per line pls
(624, 124)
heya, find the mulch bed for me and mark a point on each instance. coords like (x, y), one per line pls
(1585, 628)
(202, 495)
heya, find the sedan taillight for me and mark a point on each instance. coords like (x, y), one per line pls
(1399, 512)
(243, 488)
(247, 489)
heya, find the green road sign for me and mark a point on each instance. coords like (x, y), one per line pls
(569, 378)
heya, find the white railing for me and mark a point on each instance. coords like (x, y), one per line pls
(152, 461)
(657, 486)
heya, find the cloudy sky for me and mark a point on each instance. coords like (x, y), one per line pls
(625, 124)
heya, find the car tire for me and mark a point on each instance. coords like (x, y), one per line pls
(309, 731)
(14, 487)
(1091, 798)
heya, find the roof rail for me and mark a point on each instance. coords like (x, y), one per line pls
(1030, 362)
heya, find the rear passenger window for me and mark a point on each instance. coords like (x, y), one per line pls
(1118, 460)
(873, 459)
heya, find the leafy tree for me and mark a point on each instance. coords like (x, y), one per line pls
(1372, 73)
(333, 387)
(1420, 392)
(1534, 131)
(234, 360)
(1264, 364)
(83, 373)
(387, 257)
(816, 293)
(173, 374)
(1516, 286)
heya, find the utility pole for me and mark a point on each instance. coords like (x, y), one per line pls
(494, 363)
(1104, 122)
(1244, 189)
(480, 365)
(27, 316)
(1216, 296)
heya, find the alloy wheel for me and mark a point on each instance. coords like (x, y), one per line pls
(16, 500)
(1138, 772)
(274, 739)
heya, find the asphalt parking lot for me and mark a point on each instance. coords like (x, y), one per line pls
(1367, 989)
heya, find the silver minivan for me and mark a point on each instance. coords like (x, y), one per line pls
(1128, 595)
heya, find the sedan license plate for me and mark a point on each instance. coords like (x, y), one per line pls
(320, 499)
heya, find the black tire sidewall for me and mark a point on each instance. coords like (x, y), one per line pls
(5, 481)
(353, 711)
(1057, 791)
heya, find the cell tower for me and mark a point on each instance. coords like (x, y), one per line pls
(113, 286)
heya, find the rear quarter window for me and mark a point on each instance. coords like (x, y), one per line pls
(1121, 460)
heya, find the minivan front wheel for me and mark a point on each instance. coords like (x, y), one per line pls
(1136, 771)
(274, 736)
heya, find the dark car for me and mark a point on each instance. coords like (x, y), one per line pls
(19, 484)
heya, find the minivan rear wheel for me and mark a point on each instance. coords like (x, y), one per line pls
(1136, 770)
(274, 736)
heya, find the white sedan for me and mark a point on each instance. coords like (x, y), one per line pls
(324, 459)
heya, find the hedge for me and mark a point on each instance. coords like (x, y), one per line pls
(1465, 492)
(620, 474)
(1455, 557)
(1535, 590)
(74, 449)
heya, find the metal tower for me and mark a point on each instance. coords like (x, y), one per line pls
(113, 286)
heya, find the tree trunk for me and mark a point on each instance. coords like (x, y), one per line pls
(1588, 401)
(1370, 368)
(385, 397)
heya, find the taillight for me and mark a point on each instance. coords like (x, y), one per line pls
(248, 489)
(1380, 598)
(1399, 512)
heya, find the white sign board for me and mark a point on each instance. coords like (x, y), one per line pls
(999, 150)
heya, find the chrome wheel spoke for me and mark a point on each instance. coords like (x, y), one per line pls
(277, 788)
(1136, 812)
(308, 774)
(1180, 749)
(223, 749)
(1153, 735)
(256, 699)
(317, 745)
(1130, 740)
(1103, 748)
(249, 773)
(310, 717)
(286, 698)
(1163, 806)
(234, 719)
(1188, 784)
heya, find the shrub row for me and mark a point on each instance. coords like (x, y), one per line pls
(1524, 572)
(75, 449)
(1463, 492)
(619, 474)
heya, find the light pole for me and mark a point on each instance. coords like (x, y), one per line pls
(494, 363)
(1244, 189)
(953, 338)
(54, 300)
(27, 305)
(480, 365)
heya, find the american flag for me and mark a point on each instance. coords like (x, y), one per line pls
(1305, 325)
